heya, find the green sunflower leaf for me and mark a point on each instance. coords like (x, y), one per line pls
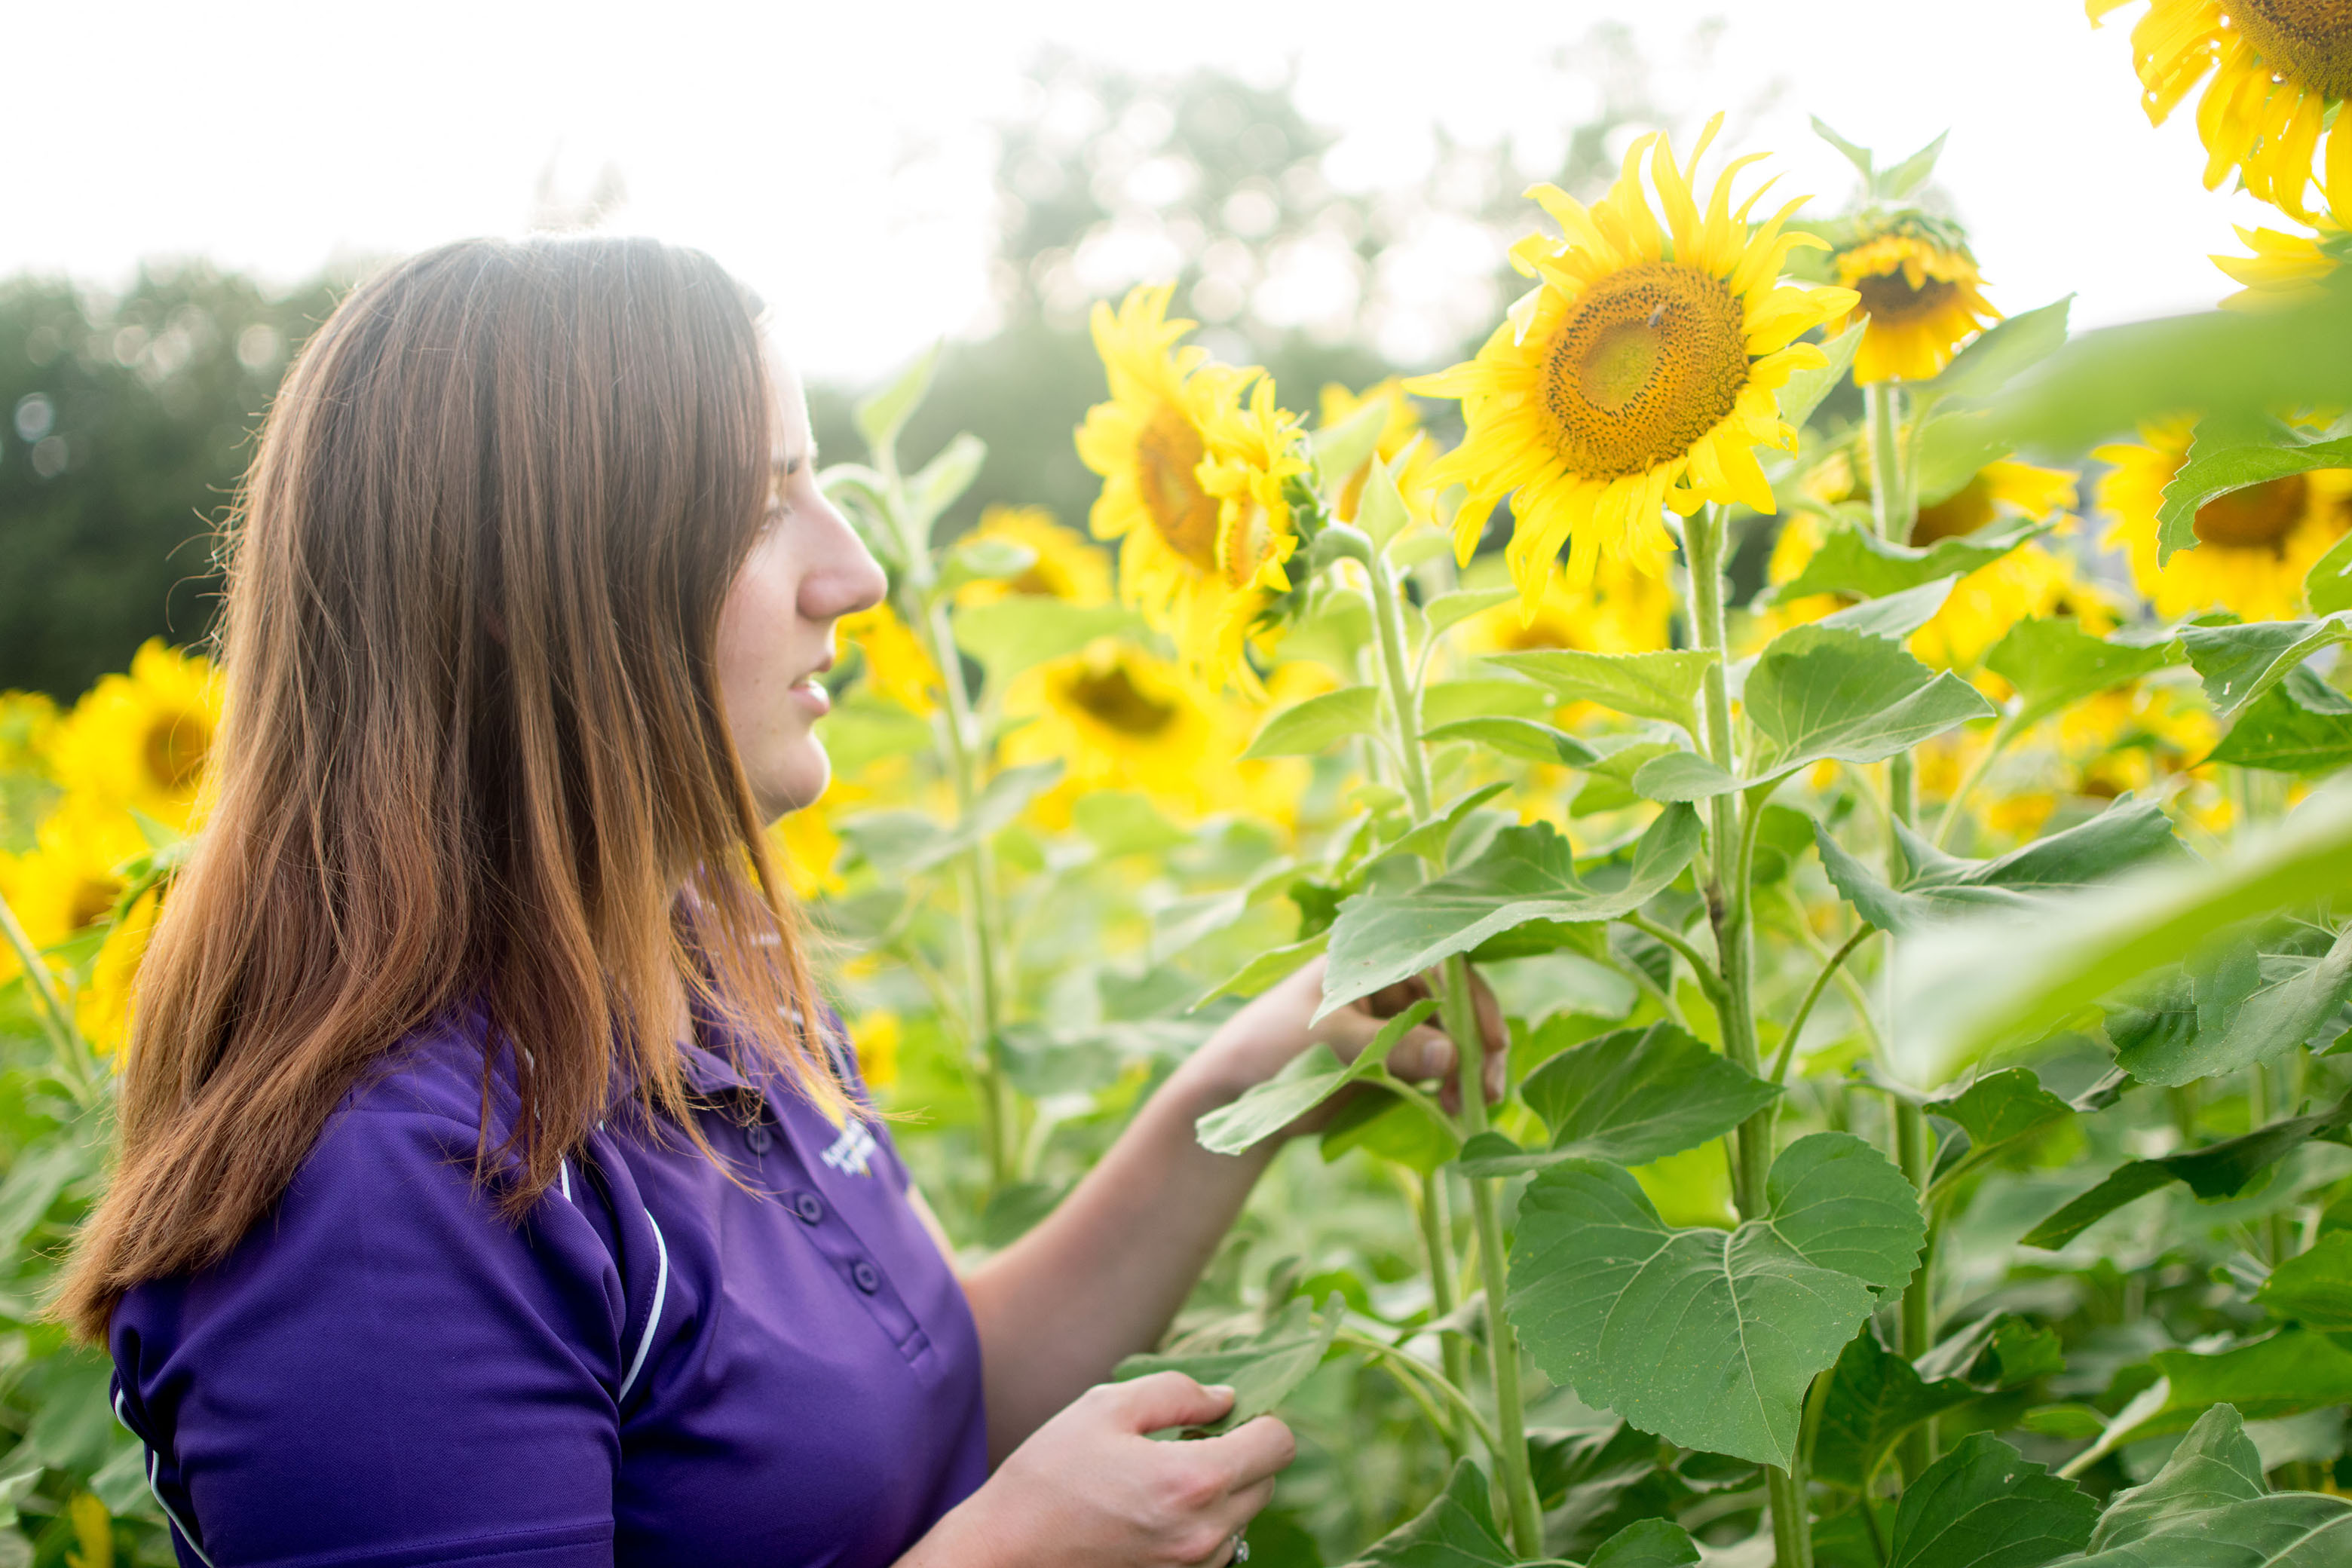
(1937, 886)
(1262, 1370)
(2054, 664)
(1448, 609)
(2000, 354)
(2313, 1289)
(1804, 390)
(1645, 685)
(1451, 701)
(2204, 479)
(1875, 1398)
(1527, 739)
(1999, 1106)
(2302, 725)
(1647, 1543)
(881, 416)
(1628, 1096)
(1316, 725)
(1710, 1338)
(1912, 172)
(2209, 1505)
(1893, 616)
(1856, 560)
(1821, 692)
(1525, 873)
(2216, 1170)
(1456, 1530)
(1309, 1080)
(1341, 450)
(2239, 663)
(2227, 1009)
(1985, 1505)
(2327, 587)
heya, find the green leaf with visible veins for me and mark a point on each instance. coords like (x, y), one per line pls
(1937, 886)
(1261, 1369)
(1645, 685)
(2055, 664)
(2315, 1287)
(1857, 562)
(2208, 477)
(2302, 725)
(1985, 1505)
(1456, 1530)
(1647, 1543)
(1311, 1078)
(1317, 725)
(1526, 873)
(1820, 693)
(2219, 1170)
(2210, 1508)
(1875, 1398)
(2228, 1009)
(1999, 1106)
(2239, 663)
(1628, 1096)
(1710, 1338)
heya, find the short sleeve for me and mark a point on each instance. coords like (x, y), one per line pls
(386, 1372)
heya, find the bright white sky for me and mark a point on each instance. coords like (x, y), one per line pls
(275, 136)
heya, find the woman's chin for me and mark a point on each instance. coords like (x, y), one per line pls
(797, 782)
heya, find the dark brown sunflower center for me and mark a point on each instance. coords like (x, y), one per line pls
(1035, 583)
(1167, 454)
(174, 749)
(1962, 513)
(2259, 517)
(1647, 362)
(94, 901)
(1888, 299)
(1110, 698)
(2309, 42)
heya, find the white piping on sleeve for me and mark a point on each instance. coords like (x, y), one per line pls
(564, 1170)
(653, 1318)
(185, 1533)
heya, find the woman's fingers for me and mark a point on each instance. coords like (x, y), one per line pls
(1252, 1453)
(1161, 1400)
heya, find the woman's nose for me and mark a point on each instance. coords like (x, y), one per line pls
(842, 578)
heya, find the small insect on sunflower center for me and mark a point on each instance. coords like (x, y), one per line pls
(1167, 455)
(2307, 41)
(1111, 698)
(173, 750)
(2259, 517)
(1648, 359)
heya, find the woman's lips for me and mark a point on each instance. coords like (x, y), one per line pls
(812, 696)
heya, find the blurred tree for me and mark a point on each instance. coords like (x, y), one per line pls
(1107, 178)
(128, 423)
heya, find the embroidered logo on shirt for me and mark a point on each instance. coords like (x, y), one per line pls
(851, 1150)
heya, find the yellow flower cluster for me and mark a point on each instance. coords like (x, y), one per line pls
(118, 775)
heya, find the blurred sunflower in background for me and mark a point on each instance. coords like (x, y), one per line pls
(1622, 610)
(1640, 373)
(1068, 566)
(138, 740)
(2279, 69)
(2253, 545)
(1400, 436)
(69, 881)
(1119, 717)
(1918, 291)
(896, 667)
(1192, 455)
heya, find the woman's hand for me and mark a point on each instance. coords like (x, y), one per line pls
(1091, 1490)
(1263, 1039)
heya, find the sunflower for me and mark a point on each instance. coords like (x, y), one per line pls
(1641, 372)
(104, 1007)
(877, 1034)
(1192, 455)
(1117, 717)
(895, 665)
(2279, 68)
(2253, 545)
(1401, 435)
(140, 740)
(2029, 581)
(2291, 269)
(1067, 566)
(1920, 294)
(66, 882)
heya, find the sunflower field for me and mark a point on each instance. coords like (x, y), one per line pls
(1880, 752)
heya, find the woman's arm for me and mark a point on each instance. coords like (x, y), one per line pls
(1102, 1277)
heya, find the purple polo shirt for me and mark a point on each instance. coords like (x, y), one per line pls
(657, 1366)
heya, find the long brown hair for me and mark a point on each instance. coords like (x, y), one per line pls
(473, 743)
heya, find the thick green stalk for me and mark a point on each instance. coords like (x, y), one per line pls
(56, 1020)
(1729, 907)
(1458, 1009)
(1433, 1209)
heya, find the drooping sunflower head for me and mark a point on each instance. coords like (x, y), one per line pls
(1192, 455)
(2253, 547)
(1622, 610)
(1118, 717)
(1641, 372)
(1920, 295)
(1067, 566)
(2279, 68)
(141, 739)
(1400, 433)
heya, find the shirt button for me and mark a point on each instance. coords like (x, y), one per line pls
(864, 1273)
(806, 1205)
(759, 1137)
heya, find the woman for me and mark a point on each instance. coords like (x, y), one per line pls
(494, 1184)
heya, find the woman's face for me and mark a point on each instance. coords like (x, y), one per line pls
(807, 570)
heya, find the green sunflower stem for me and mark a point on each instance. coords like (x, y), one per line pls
(1433, 1209)
(1458, 1011)
(57, 1018)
